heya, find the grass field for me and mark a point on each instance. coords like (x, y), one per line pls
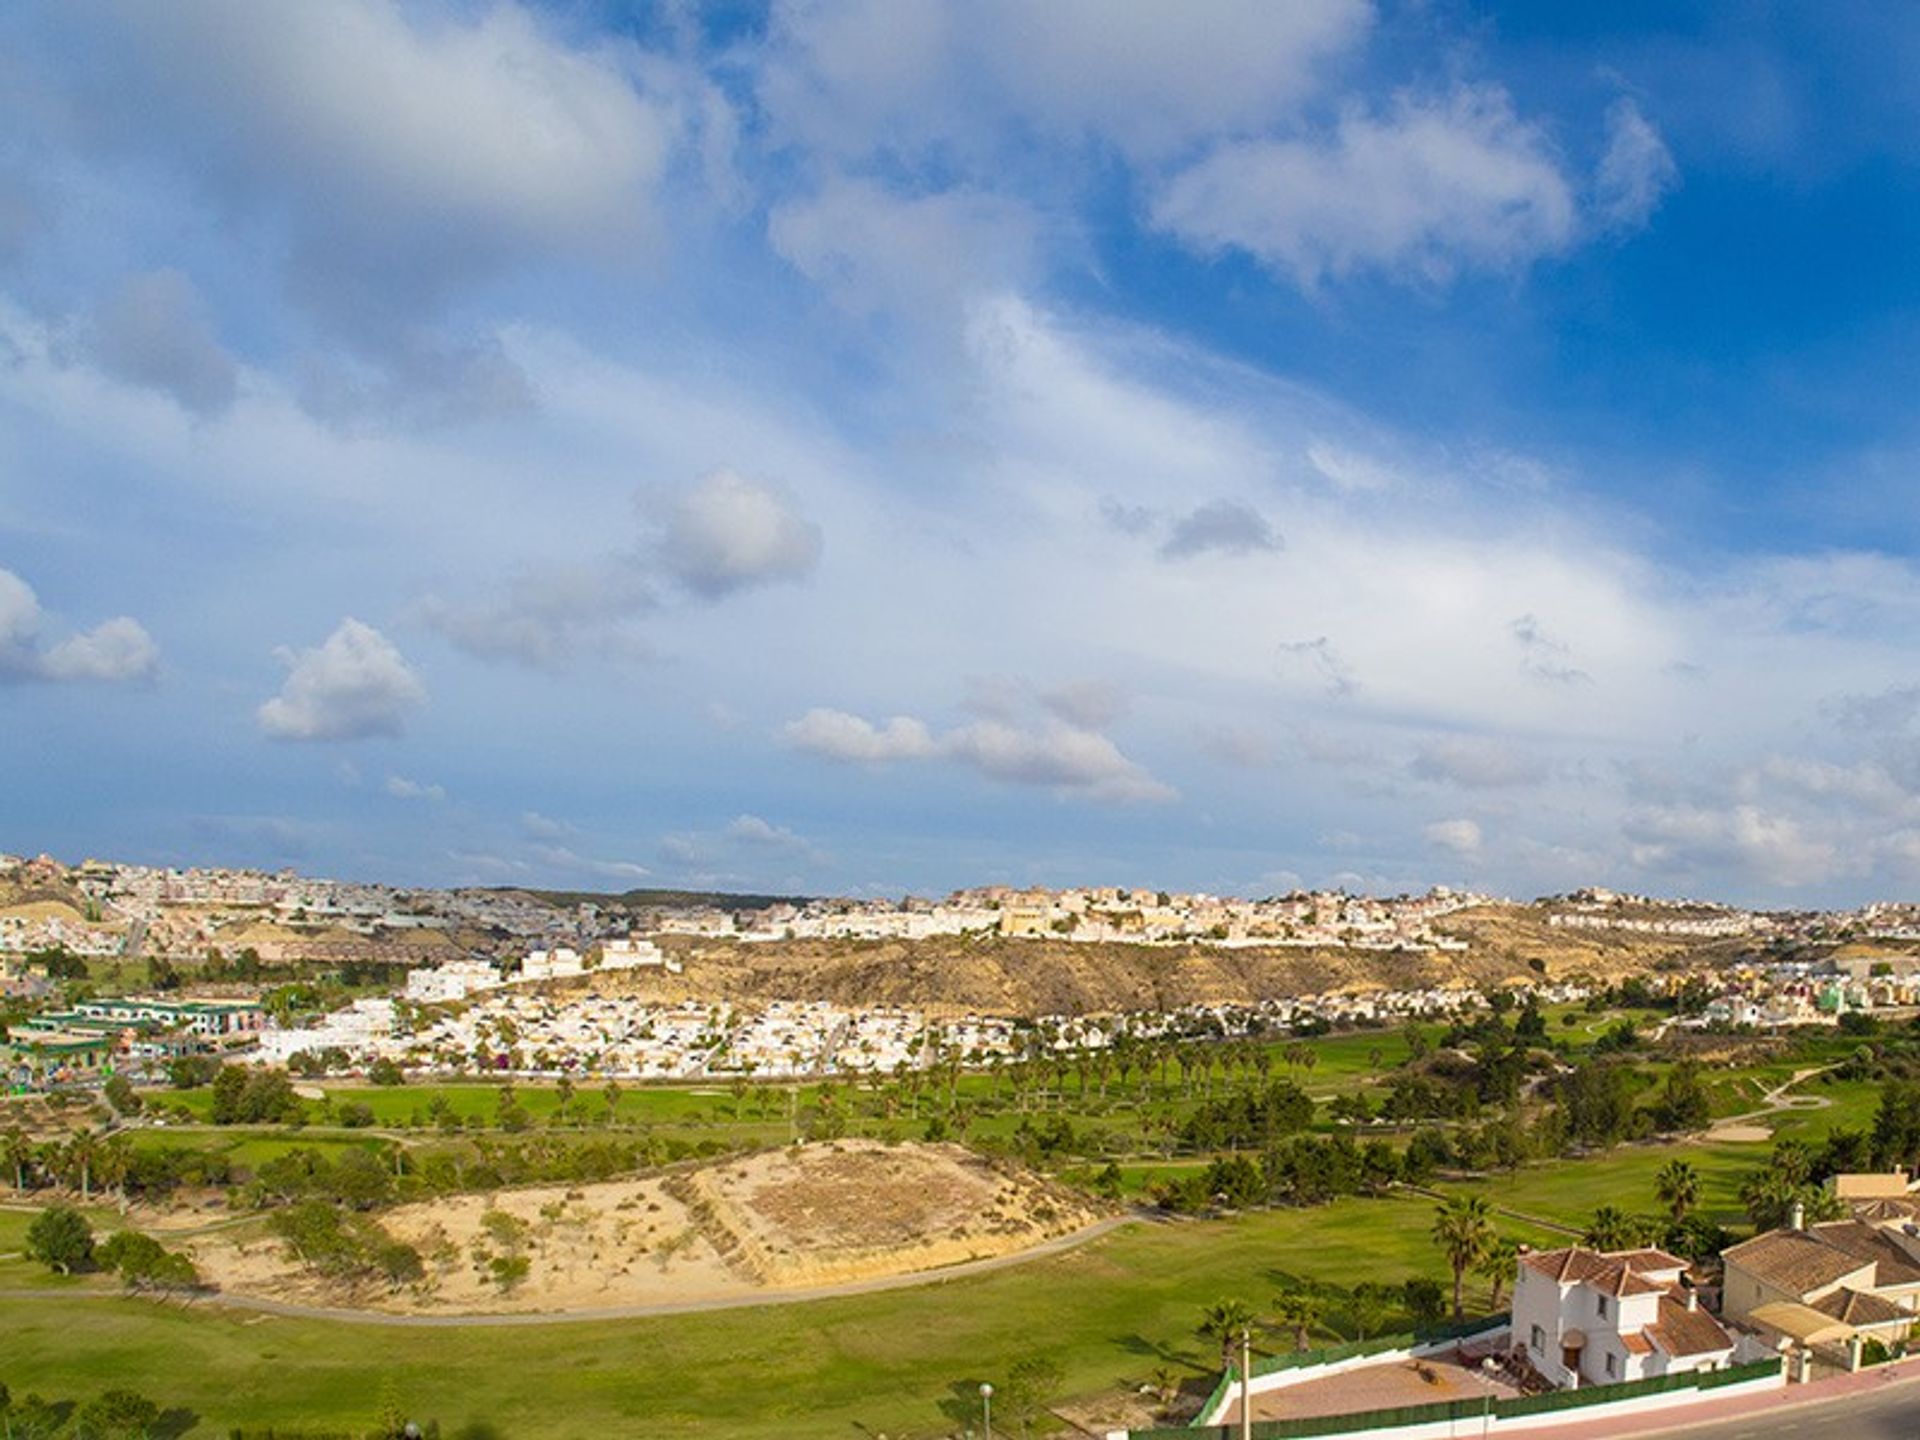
(905, 1363)
(1108, 1313)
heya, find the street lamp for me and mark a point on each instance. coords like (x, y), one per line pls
(986, 1408)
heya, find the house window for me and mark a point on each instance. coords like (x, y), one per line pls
(1539, 1341)
(1613, 1367)
(1603, 1307)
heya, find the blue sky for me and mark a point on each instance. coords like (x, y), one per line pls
(897, 445)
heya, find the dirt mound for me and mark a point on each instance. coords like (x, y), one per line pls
(809, 1216)
(827, 1214)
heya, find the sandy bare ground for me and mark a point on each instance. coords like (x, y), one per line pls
(810, 1218)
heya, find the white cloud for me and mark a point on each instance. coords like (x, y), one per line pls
(1636, 171)
(873, 251)
(1434, 185)
(729, 533)
(840, 736)
(547, 614)
(1747, 840)
(562, 857)
(1087, 704)
(353, 686)
(1226, 527)
(1479, 763)
(115, 650)
(406, 148)
(153, 331)
(1459, 837)
(905, 76)
(1056, 755)
(401, 788)
(1349, 470)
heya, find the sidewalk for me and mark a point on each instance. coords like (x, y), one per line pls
(1737, 1407)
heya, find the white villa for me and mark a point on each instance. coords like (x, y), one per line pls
(1587, 1317)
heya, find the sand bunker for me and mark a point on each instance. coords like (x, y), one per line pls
(1741, 1134)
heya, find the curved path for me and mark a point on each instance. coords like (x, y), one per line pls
(1775, 1102)
(1058, 1245)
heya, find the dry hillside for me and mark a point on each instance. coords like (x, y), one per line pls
(1029, 977)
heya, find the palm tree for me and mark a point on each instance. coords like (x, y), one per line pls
(1463, 1229)
(1611, 1229)
(19, 1154)
(1298, 1311)
(1496, 1267)
(1677, 1187)
(1226, 1321)
(82, 1150)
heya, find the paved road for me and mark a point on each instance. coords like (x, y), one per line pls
(1889, 1413)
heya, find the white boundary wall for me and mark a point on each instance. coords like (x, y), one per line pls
(1300, 1374)
(1467, 1426)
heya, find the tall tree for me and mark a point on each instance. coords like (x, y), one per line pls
(1299, 1311)
(1463, 1229)
(1224, 1322)
(1677, 1187)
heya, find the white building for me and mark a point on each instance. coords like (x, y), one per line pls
(636, 955)
(560, 963)
(1587, 1317)
(361, 1029)
(453, 981)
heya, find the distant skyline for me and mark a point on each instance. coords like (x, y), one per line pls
(897, 446)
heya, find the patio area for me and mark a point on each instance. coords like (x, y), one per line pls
(1427, 1381)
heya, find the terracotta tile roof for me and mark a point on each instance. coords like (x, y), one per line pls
(1637, 1344)
(1794, 1261)
(1886, 1207)
(1856, 1307)
(1612, 1273)
(1681, 1331)
(1648, 1258)
(1869, 1242)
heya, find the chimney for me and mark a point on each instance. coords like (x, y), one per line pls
(1693, 1298)
(1797, 1217)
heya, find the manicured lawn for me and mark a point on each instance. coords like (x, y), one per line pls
(1571, 1191)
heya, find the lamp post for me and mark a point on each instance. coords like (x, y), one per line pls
(986, 1408)
(1246, 1385)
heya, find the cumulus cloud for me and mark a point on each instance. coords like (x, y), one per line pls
(715, 538)
(352, 686)
(1458, 837)
(729, 533)
(1055, 755)
(495, 137)
(401, 788)
(840, 736)
(1225, 527)
(1087, 704)
(119, 649)
(1747, 840)
(547, 614)
(1636, 171)
(153, 331)
(1431, 186)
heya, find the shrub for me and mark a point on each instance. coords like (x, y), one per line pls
(62, 1239)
